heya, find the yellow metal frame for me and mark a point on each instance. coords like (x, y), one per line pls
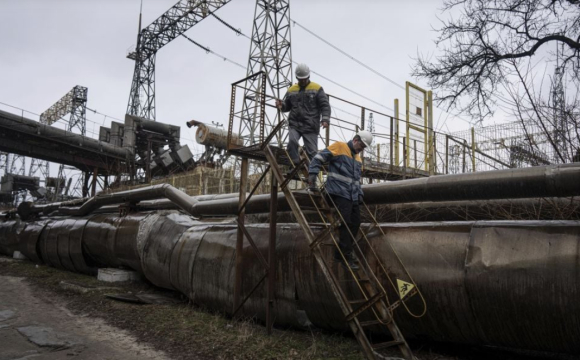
(427, 129)
(396, 132)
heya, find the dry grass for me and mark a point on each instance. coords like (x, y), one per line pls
(187, 332)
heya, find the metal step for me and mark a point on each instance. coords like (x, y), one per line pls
(387, 344)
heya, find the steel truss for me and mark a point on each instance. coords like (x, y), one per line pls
(75, 104)
(174, 22)
(270, 53)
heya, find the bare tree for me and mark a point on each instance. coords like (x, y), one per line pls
(558, 123)
(480, 47)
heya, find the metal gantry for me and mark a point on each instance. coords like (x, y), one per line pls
(174, 22)
(270, 54)
(559, 103)
(75, 104)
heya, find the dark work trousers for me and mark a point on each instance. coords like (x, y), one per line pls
(310, 144)
(350, 212)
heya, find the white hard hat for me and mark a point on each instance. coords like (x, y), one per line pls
(366, 137)
(302, 71)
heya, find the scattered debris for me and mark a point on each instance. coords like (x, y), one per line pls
(145, 298)
(118, 275)
(47, 337)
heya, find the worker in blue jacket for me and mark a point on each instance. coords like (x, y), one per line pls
(343, 186)
(309, 109)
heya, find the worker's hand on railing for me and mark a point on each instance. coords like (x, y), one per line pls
(279, 104)
(312, 183)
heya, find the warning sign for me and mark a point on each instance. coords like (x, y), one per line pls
(404, 288)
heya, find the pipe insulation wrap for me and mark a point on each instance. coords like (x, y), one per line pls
(483, 281)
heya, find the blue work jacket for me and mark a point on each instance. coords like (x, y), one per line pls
(344, 170)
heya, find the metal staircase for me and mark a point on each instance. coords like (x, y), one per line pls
(369, 306)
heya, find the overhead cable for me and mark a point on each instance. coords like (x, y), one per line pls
(239, 32)
(363, 64)
(209, 51)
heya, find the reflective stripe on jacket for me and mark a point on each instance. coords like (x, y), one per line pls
(344, 170)
(308, 107)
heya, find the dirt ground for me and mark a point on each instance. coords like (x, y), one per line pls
(47, 313)
(34, 324)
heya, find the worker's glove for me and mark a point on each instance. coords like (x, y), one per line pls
(361, 199)
(312, 183)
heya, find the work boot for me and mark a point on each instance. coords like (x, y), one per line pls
(289, 172)
(350, 260)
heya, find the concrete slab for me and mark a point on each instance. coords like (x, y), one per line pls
(19, 256)
(40, 327)
(117, 275)
(47, 337)
(15, 346)
(6, 314)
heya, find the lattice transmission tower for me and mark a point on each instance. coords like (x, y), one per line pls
(75, 104)
(174, 22)
(559, 107)
(270, 53)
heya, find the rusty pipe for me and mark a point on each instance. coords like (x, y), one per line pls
(483, 281)
(178, 197)
(539, 181)
(25, 125)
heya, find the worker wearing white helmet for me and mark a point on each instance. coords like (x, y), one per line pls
(344, 188)
(309, 109)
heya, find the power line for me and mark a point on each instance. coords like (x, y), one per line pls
(364, 65)
(208, 50)
(239, 32)
(347, 55)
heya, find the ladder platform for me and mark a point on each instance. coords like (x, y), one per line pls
(256, 152)
(310, 199)
(350, 280)
(370, 323)
(375, 296)
(387, 344)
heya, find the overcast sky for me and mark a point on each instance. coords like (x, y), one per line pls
(49, 46)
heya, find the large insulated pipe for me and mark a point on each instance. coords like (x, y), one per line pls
(178, 197)
(27, 209)
(512, 284)
(212, 136)
(156, 126)
(25, 125)
(504, 209)
(540, 181)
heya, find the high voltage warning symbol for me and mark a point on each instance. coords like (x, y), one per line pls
(404, 288)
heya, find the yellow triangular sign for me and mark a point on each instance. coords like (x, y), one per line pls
(404, 288)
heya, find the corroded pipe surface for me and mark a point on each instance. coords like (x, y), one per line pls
(541, 181)
(178, 197)
(484, 282)
(505, 209)
(28, 126)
